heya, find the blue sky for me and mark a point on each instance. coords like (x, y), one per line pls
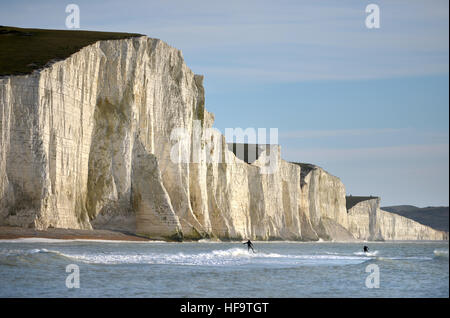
(368, 105)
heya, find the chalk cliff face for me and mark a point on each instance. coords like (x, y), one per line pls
(117, 137)
(322, 205)
(368, 222)
(84, 141)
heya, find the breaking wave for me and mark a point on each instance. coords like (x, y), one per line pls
(225, 257)
(16, 257)
(233, 256)
(17, 252)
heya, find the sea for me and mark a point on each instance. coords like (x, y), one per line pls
(80, 268)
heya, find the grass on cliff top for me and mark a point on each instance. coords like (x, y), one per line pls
(24, 50)
(351, 200)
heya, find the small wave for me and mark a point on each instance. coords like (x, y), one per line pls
(15, 252)
(15, 257)
(374, 253)
(441, 253)
(406, 258)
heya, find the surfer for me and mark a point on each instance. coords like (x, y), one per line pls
(366, 249)
(249, 246)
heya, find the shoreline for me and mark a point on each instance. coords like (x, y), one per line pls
(11, 233)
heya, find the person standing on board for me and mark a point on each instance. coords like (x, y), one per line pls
(249, 246)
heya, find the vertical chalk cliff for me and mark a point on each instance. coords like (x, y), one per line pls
(368, 222)
(117, 137)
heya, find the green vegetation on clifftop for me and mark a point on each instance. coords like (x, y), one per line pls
(25, 50)
(435, 217)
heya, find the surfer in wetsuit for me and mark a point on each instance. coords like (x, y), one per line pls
(366, 249)
(249, 246)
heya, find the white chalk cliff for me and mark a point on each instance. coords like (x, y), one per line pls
(368, 222)
(85, 143)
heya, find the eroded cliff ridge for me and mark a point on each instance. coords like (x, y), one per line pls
(88, 142)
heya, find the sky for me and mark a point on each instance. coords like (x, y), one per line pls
(370, 106)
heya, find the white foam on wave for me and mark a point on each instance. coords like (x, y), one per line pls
(405, 258)
(441, 253)
(374, 253)
(19, 252)
(233, 256)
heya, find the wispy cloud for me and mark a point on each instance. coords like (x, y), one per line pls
(299, 134)
(367, 154)
(403, 174)
(317, 41)
(282, 41)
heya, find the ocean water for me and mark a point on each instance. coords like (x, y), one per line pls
(37, 268)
